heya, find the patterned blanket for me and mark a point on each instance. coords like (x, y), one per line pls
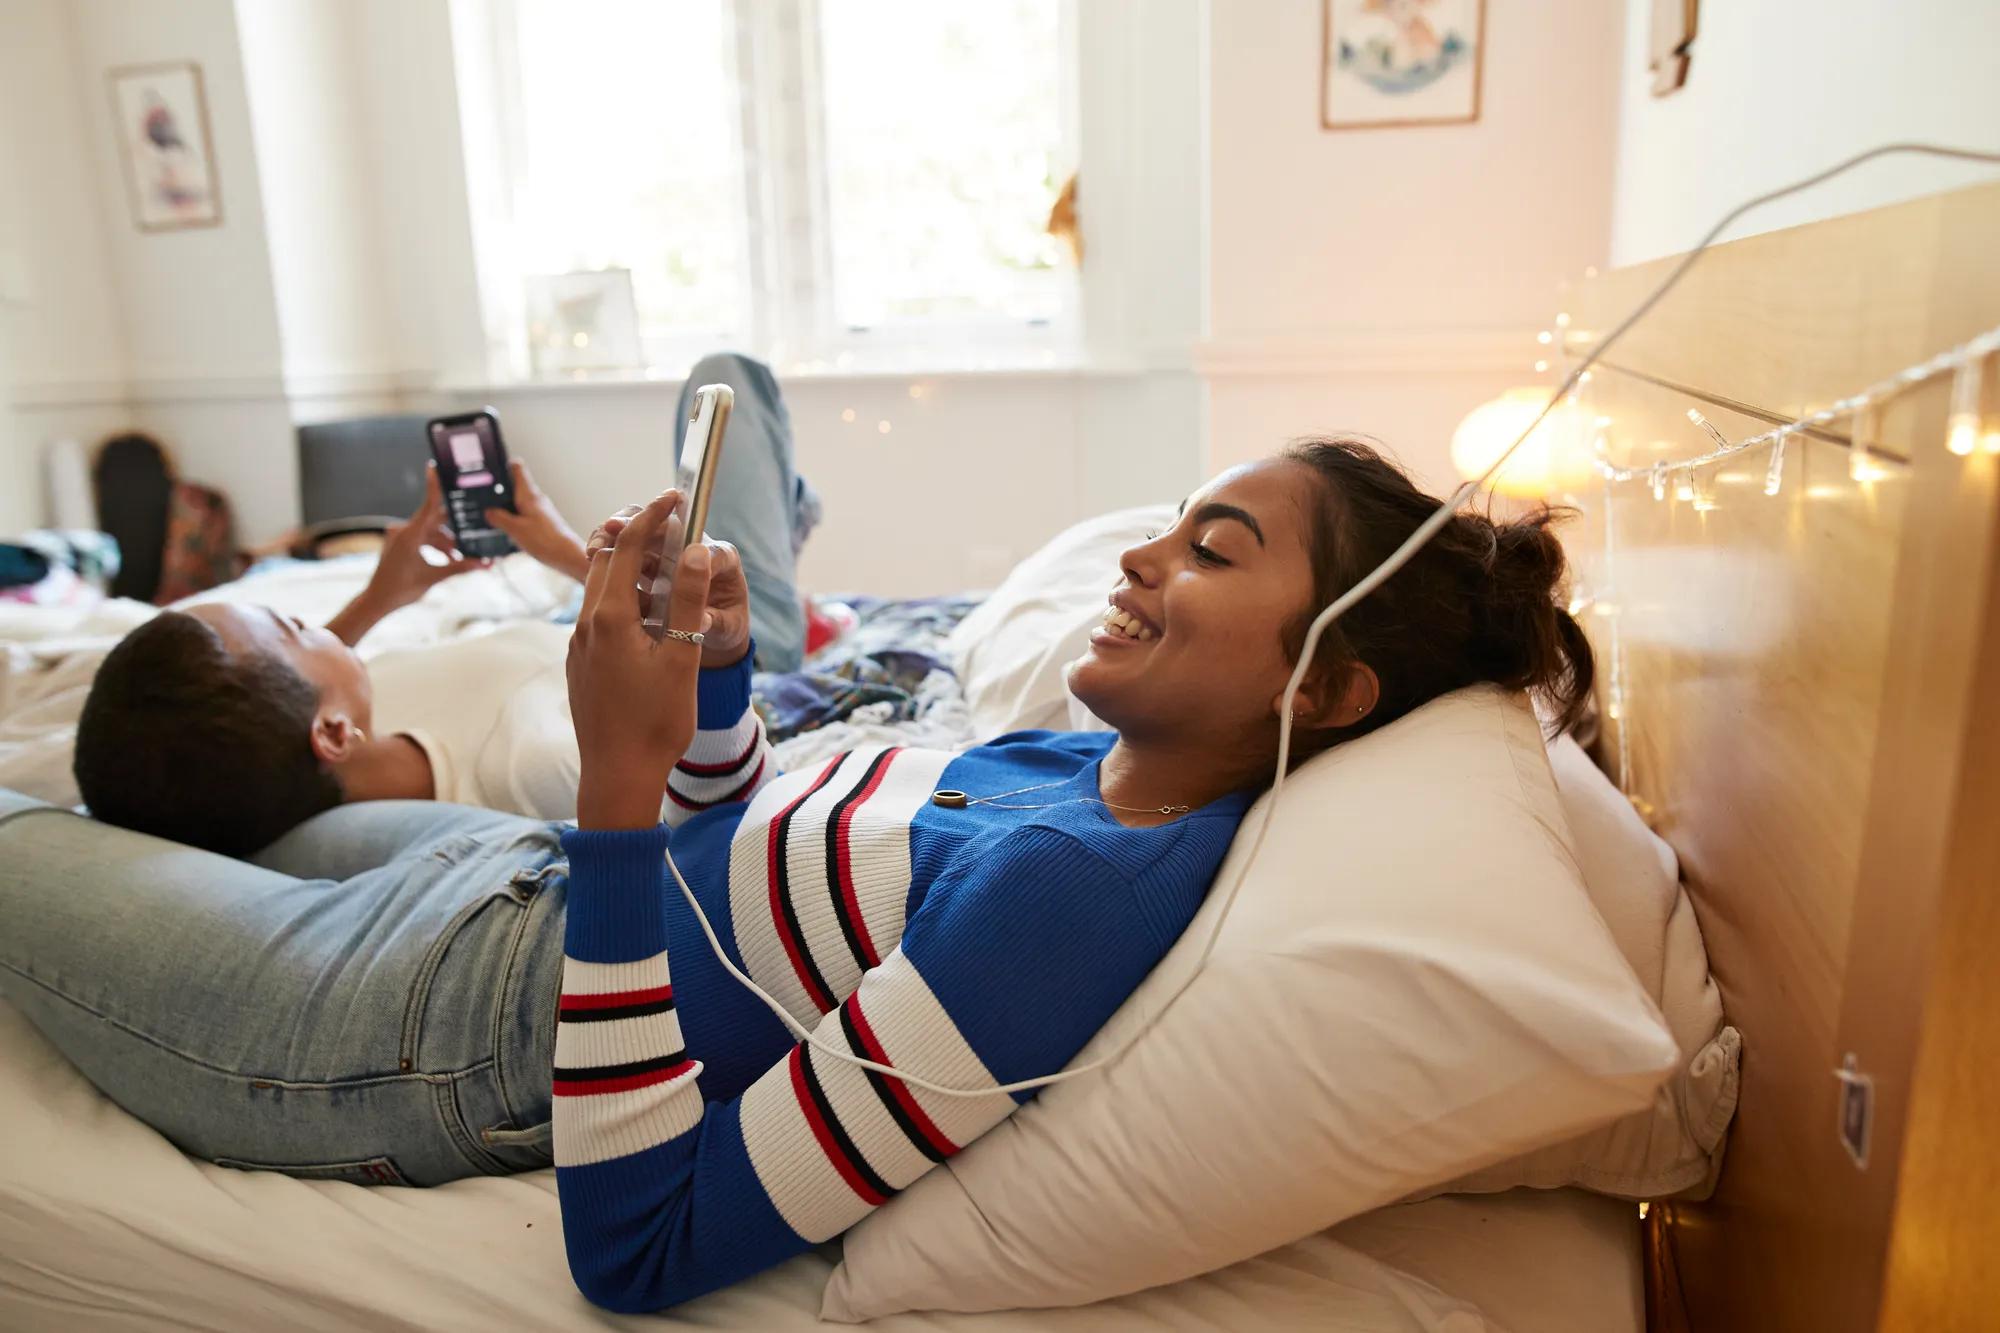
(886, 679)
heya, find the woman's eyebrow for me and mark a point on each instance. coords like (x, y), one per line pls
(1213, 510)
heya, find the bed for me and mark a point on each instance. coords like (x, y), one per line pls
(1812, 740)
(85, 1243)
(102, 1222)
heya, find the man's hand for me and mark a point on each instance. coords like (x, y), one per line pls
(404, 572)
(538, 528)
(631, 699)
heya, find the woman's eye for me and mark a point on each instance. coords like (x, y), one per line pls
(1204, 555)
(1152, 534)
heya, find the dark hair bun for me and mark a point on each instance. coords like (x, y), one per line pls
(1483, 601)
(1523, 637)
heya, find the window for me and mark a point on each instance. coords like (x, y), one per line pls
(845, 181)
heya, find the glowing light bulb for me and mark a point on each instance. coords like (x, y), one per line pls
(882, 428)
(1774, 479)
(1545, 337)
(1684, 492)
(1962, 427)
(847, 414)
(1704, 493)
(1541, 366)
(1562, 320)
(1659, 481)
(1708, 428)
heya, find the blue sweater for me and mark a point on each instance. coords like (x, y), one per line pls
(695, 1142)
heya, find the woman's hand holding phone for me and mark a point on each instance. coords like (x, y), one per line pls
(632, 699)
(727, 638)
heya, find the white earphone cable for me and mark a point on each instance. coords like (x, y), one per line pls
(1374, 579)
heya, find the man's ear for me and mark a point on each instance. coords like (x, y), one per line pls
(1353, 698)
(335, 738)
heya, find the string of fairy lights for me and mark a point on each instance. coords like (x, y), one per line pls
(1969, 428)
(1966, 429)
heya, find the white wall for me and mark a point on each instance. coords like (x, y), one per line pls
(62, 342)
(1386, 281)
(1781, 88)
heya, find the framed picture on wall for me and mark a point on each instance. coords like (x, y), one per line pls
(583, 321)
(160, 116)
(1400, 62)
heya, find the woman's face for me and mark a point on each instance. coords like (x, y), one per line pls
(1193, 643)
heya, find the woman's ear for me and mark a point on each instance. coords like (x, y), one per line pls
(1353, 697)
(1357, 700)
(335, 738)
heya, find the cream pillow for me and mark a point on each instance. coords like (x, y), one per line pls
(1412, 985)
(1015, 648)
(1673, 1147)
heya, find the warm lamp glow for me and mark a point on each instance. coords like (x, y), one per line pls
(1555, 459)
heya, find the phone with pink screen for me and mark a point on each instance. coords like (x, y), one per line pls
(472, 473)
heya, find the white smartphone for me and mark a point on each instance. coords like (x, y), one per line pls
(701, 452)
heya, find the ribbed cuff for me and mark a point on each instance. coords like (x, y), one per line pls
(722, 694)
(617, 905)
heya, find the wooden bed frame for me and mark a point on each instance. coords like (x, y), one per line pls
(1811, 716)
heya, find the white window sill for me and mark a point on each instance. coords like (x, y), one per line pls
(1007, 364)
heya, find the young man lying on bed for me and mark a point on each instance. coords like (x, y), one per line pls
(225, 725)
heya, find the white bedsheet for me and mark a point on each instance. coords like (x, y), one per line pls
(104, 1225)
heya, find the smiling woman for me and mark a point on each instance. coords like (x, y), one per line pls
(911, 919)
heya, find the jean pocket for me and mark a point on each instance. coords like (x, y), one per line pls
(366, 1171)
(529, 1148)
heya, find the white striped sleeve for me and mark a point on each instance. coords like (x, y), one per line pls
(729, 759)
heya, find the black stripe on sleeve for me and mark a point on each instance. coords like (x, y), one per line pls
(592, 1073)
(620, 1011)
(840, 913)
(888, 1098)
(838, 1130)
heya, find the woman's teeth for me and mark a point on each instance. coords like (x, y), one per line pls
(1125, 623)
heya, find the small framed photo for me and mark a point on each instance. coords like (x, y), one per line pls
(583, 321)
(160, 116)
(1401, 62)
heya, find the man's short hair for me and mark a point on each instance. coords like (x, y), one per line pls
(183, 739)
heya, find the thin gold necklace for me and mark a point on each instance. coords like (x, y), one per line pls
(951, 799)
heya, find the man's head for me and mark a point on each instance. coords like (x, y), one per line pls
(220, 727)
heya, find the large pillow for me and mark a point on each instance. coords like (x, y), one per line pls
(1012, 651)
(1038, 622)
(1412, 985)
(1674, 1146)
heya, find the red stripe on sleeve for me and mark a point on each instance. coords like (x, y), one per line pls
(844, 871)
(723, 770)
(825, 1136)
(774, 853)
(585, 1087)
(898, 1089)
(617, 999)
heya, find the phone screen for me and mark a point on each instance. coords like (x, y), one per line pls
(472, 473)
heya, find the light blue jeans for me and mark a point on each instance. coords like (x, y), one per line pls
(761, 504)
(373, 997)
(373, 1000)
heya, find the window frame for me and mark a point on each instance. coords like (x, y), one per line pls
(788, 286)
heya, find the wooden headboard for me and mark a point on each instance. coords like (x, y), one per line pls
(1810, 714)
